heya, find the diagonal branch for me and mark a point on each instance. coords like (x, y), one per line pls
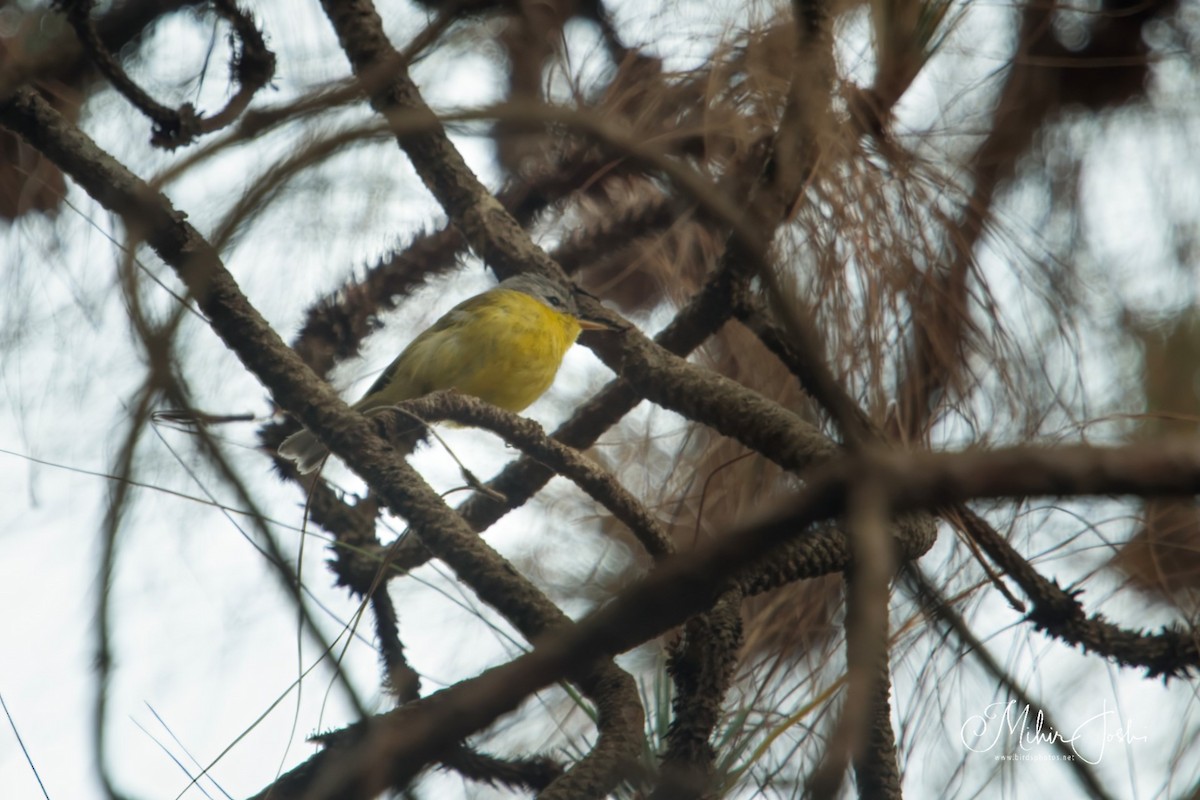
(1059, 613)
(529, 437)
(522, 479)
(150, 215)
(690, 583)
(654, 372)
(252, 66)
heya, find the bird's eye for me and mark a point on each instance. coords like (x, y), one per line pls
(555, 301)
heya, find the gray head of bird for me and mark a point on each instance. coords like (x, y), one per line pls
(554, 294)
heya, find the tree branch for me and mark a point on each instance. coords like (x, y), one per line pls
(350, 435)
(690, 583)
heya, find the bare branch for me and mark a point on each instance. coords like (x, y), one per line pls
(352, 437)
(252, 65)
(692, 582)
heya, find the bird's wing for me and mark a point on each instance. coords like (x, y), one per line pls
(457, 316)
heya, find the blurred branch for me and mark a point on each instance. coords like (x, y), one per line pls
(257, 199)
(337, 324)
(799, 353)
(512, 773)
(702, 664)
(257, 122)
(795, 147)
(863, 733)
(352, 437)
(1044, 77)
(932, 600)
(906, 33)
(111, 529)
(868, 717)
(277, 559)
(39, 50)
(63, 57)
(657, 374)
(886, 499)
(252, 66)
(692, 582)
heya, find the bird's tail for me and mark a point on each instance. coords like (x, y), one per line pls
(305, 449)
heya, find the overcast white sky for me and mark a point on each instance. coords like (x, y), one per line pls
(206, 643)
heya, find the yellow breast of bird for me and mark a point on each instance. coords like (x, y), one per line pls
(502, 346)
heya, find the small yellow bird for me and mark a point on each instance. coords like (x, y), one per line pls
(503, 346)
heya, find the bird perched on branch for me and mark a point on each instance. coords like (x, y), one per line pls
(503, 346)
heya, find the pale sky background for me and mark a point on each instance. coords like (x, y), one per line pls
(206, 639)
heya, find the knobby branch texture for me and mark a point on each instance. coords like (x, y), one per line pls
(852, 490)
